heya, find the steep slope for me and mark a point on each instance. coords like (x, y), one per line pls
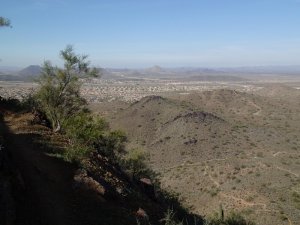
(222, 147)
(48, 190)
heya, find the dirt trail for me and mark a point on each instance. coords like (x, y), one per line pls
(192, 164)
(216, 183)
(44, 193)
(277, 153)
(259, 110)
(288, 171)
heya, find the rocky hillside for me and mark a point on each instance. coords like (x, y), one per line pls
(224, 147)
(39, 187)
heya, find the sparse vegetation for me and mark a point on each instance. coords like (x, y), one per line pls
(296, 199)
(170, 218)
(135, 162)
(59, 92)
(236, 159)
(232, 219)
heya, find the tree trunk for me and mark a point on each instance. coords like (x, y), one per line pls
(58, 127)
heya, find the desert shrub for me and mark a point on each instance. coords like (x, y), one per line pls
(171, 200)
(88, 133)
(84, 128)
(237, 219)
(170, 218)
(111, 145)
(135, 162)
(77, 153)
(296, 199)
(232, 219)
(28, 101)
(10, 104)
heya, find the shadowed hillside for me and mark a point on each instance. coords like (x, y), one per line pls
(39, 187)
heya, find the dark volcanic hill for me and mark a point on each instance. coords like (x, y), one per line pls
(27, 74)
(170, 127)
(30, 71)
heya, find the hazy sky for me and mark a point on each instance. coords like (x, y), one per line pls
(142, 33)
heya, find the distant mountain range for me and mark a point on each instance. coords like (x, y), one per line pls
(192, 73)
(191, 70)
(202, 74)
(293, 69)
(27, 74)
(32, 71)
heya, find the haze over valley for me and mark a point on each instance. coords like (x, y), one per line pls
(213, 137)
(150, 112)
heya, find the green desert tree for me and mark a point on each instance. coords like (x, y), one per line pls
(4, 22)
(59, 93)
